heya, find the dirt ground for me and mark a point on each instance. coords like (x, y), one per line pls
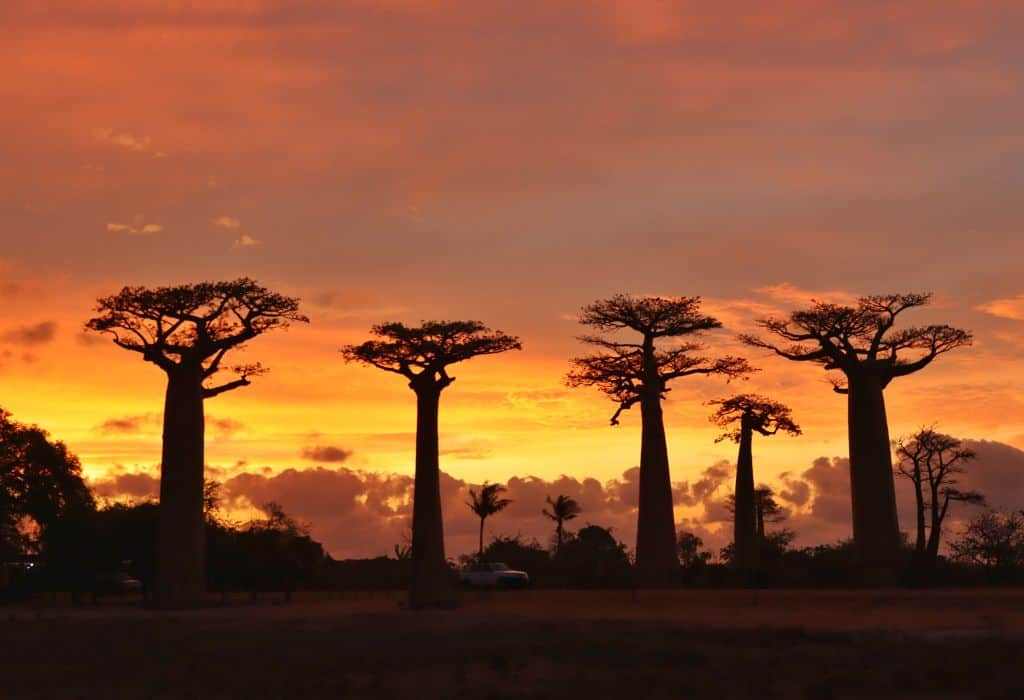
(721, 644)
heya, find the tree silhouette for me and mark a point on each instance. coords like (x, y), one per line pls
(485, 504)
(639, 372)
(422, 355)
(744, 415)
(40, 481)
(932, 462)
(562, 509)
(188, 331)
(993, 540)
(862, 343)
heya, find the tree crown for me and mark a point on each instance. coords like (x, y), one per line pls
(423, 353)
(860, 338)
(931, 457)
(488, 501)
(625, 371)
(194, 324)
(562, 508)
(759, 413)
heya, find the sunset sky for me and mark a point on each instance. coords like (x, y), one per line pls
(507, 162)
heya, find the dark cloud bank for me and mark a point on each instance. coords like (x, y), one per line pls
(357, 513)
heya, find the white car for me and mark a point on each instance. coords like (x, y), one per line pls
(493, 575)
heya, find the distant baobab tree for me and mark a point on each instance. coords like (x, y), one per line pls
(638, 371)
(932, 462)
(744, 415)
(188, 332)
(562, 510)
(485, 504)
(422, 355)
(861, 342)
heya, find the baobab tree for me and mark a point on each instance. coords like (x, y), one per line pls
(562, 510)
(485, 504)
(743, 415)
(861, 343)
(638, 371)
(188, 331)
(422, 355)
(932, 462)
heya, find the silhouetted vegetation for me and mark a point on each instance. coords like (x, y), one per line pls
(422, 355)
(560, 511)
(638, 371)
(40, 481)
(188, 332)
(485, 504)
(861, 343)
(932, 462)
(746, 414)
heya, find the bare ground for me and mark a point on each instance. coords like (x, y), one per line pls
(721, 644)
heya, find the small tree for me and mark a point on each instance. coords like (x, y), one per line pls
(637, 371)
(932, 462)
(188, 332)
(993, 540)
(562, 510)
(744, 415)
(422, 355)
(862, 343)
(691, 552)
(485, 504)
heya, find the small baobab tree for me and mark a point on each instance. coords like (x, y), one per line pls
(485, 504)
(636, 370)
(561, 510)
(861, 343)
(422, 355)
(743, 415)
(188, 331)
(932, 462)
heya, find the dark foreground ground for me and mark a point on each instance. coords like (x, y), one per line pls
(716, 644)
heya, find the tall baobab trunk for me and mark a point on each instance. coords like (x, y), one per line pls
(181, 538)
(876, 531)
(430, 585)
(744, 526)
(656, 559)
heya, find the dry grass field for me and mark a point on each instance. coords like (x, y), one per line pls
(720, 644)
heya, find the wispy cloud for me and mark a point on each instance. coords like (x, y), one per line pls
(1010, 307)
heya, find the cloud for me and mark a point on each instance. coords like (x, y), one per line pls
(129, 424)
(1009, 307)
(228, 222)
(792, 294)
(136, 230)
(326, 453)
(127, 485)
(127, 141)
(246, 241)
(31, 335)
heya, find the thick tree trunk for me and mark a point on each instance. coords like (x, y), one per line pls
(431, 585)
(181, 538)
(876, 531)
(744, 526)
(656, 560)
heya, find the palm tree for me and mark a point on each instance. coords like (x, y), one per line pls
(562, 508)
(485, 504)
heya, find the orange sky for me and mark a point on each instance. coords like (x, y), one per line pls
(508, 162)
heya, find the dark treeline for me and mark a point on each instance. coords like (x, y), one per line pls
(180, 548)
